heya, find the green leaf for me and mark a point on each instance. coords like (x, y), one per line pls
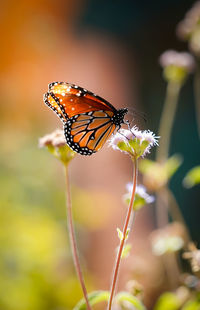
(127, 233)
(192, 177)
(169, 168)
(123, 146)
(139, 202)
(172, 164)
(126, 250)
(124, 297)
(167, 301)
(145, 165)
(191, 305)
(94, 298)
(120, 234)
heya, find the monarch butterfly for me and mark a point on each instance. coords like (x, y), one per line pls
(88, 119)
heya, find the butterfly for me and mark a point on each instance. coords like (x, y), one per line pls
(88, 119)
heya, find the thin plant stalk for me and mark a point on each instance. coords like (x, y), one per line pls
(165, 129)
(164, 199)
(172, 270)
(73, 239)
(197, 94)
(122, 241)
(167, 120)
(176, 213)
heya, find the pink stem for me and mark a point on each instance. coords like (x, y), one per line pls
(122, 242)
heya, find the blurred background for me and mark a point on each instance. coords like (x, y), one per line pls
(111, 48)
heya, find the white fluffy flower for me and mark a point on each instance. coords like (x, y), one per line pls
(56, 139)
(133, 141)
(179, 59)
(141, 196)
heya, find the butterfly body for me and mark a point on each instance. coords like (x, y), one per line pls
(88, 119)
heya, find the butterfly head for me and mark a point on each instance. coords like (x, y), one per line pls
(118, 118)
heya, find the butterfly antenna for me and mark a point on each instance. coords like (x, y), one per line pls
(140, 114)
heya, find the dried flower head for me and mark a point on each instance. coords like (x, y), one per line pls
(189, 28)
(141, 196)
(56, 144)
(190, 281)
(169, 239)
(190, 22)
(176, 65)
(134, 142)
(194, 256)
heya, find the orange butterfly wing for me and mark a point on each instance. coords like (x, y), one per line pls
(68, 100)
(87, 133)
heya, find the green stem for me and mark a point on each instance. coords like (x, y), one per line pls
(172, 270)
(176, 213)
(73, 239)
(165, 129)
(197, 94)
(122, 242)
(167, 119)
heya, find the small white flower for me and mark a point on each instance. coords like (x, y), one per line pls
(56, 139)
(141, 196)
(167, 244)
(179, 59)
(140, 191)
(169, 239)
(190, 23)
(133, 141)
(56, 144)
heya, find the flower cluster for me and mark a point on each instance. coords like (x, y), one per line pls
(176, 65)
(189, 28)
(141, 196)
(194, 256)
(56, 144)
(55, 139)
(179, 59)
(169, 239)
(134, 142)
